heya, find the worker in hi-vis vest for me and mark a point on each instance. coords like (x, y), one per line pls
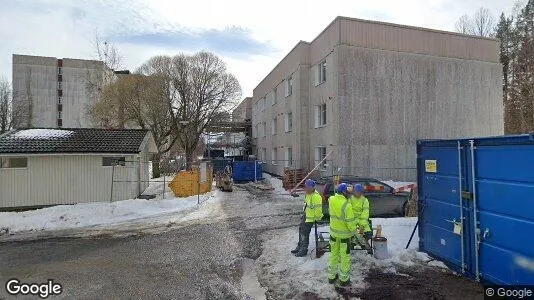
(313, 212)
(360, 207)
(342, 228)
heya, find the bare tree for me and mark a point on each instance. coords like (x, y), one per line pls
(108, 54)
(464, 25)
(482, 23)
(5, 105)
(203, 90)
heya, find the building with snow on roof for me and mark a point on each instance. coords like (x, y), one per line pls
(42, 167)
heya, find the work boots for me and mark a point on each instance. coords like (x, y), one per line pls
(296, 250)
(302, 252)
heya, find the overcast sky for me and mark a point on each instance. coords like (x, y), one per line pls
(251, 36)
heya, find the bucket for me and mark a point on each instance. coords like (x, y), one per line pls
(380, 247)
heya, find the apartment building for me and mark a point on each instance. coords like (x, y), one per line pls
(365, 91)
(243, 111)
(53, 92)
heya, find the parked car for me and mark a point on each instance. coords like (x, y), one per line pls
(384, 201)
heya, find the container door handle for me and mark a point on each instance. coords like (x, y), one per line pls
(486, 233)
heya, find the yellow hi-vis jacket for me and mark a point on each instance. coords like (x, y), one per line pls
(314, 207)
(360, 207)
(342, 221)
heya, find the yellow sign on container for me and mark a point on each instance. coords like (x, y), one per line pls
(431, 166)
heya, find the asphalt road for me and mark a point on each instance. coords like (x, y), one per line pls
(199, 261)
(204, 259)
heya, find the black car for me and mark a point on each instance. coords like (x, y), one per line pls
(384, 201)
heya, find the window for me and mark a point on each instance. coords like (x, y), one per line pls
(59, 123)
(274, 156)
(59, 71)
(289, 157)
(263, 154)
(60, 86)
(321, 73)
(274, 127)
(289, 122)
(320, 115)
(320, 153)
(255, 132)
(59, 100)
(289, 86)
(13, 162)
(113, 161)
(262, 104)
(263, 129)
(274, 96)
(59, 115)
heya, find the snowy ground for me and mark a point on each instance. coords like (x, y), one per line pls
(105, 214)
(309, 274)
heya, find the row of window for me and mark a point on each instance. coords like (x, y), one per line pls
(320, 77)
(260, 128)
(320, 120)
(320, 154)
(22, 162)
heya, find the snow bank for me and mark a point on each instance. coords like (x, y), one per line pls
(309, 274)
(91, 214)
(102, 213)
(42, 134)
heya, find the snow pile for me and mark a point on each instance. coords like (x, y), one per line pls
(309, 274)
(91, 214)
(42, 134)
(276, 183)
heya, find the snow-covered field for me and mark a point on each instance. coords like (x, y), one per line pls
(103, 213)
(309, 273)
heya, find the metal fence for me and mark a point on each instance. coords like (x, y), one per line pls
(133, 179)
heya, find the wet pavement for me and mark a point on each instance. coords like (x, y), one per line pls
(205, 260)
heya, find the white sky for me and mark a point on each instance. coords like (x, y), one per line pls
(251, 36)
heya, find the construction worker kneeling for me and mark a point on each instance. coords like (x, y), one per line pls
(342, 229)
(313, 212)
(360, 207)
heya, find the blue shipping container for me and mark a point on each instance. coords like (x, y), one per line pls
(244, 170)
(476, 206)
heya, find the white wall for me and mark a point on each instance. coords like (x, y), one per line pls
(69, 179)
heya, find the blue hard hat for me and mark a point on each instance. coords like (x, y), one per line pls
(358, 188)
(309, 183)
(342, 188)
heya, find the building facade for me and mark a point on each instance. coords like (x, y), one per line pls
(43, 166)
(243, 111)
(55, 93)
(363, 92)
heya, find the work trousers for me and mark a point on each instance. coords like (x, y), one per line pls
(339, 261)
(304, 233)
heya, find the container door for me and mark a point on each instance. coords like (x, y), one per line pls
(504, 190)
(441, 181)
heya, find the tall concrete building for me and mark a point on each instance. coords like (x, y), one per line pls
(366, 91)
(51, 92)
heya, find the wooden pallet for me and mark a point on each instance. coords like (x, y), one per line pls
(292, 177)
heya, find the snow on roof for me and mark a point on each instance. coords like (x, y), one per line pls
(42, 134)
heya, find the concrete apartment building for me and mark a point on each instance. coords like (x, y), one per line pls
(243, 111)
(366, 91)
(53, 93)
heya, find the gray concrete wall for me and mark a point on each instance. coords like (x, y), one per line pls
(36, 78)
(389, 99)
